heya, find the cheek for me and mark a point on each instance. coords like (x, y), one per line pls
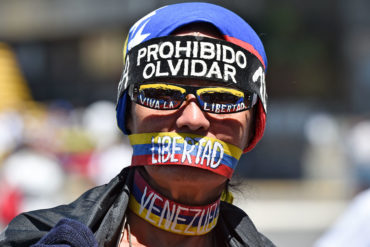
(233, 128)
(145, 120)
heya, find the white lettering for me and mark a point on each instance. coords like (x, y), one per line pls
(186, 49)
(152, 52)
(166, 143)
(201, 63)
(186, 67)
(205, 106)
(169, 214)
(200, 144)
(197, 212)
(177, 218)
(170, 50)
(175, 148)
(186, 152)
(174, 70)
(195, 49)
(147, 75)
(229, 70)
(261, 74)
(200, 223)
(151, 207)
(218, 52)
(228, 54)
(241, 56)
(158, 72)
(144, 203)
(217, 147)
(159, 150)
(206, 153)
(207, 50)
(125, 75)
(214, 70)
(154, 161)
(140, 54)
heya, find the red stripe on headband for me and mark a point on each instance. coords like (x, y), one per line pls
(246, 46)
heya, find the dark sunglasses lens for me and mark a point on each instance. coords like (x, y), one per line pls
(159, 97)
(221, 100)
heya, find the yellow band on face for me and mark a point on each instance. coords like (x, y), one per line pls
(170, 148)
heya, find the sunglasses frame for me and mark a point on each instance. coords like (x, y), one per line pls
(187, 89)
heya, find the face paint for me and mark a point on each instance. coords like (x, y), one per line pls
(169, 148)
(168, 215)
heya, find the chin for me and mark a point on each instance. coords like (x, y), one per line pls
(186, 174)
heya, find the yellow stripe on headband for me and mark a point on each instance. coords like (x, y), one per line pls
(146, 138)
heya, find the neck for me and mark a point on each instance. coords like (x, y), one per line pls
(145, 233)
(186, 185)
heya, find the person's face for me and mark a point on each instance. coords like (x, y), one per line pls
(233, 128)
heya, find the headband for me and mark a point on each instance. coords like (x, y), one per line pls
(189, 57)
(163, 21)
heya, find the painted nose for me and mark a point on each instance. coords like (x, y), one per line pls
(191, 116)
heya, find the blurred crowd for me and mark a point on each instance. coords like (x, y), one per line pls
(50, 153)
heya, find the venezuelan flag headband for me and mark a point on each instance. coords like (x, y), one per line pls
(189, 57)
(151, 53)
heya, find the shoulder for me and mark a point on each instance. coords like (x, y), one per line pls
(27, 228)
(239, 228)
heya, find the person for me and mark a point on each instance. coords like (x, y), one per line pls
(192, 98)
(351, 227)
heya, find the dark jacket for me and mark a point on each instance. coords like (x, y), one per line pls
(102, 209)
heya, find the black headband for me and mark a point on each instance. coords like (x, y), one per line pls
(194, 57)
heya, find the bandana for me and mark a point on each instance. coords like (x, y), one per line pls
(190, 57)
(168, 215)
(169, 148)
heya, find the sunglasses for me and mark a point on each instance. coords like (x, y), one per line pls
(213, 99)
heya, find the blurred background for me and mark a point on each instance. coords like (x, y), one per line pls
(60, 63)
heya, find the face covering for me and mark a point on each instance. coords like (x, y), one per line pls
(168, 215)
(184, 149)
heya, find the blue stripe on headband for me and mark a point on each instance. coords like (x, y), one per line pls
(164, 21)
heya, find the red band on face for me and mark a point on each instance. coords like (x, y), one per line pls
(184, 149)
